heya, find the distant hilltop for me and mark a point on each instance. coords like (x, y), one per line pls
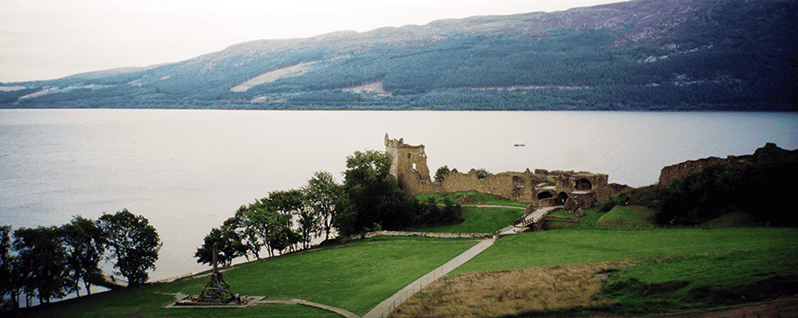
(635, 55)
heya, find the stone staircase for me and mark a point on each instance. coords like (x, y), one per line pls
(532, 220)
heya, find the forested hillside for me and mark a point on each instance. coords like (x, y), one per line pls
(637, 55)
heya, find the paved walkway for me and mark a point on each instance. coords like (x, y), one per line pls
(387, 306)
(491, 206)
(342, 312)
(541, 213)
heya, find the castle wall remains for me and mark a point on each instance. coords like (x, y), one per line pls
(541, 188)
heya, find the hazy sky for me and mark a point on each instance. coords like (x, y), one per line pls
(46, 39)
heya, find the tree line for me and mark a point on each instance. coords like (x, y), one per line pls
(288, 220)
(50, 262)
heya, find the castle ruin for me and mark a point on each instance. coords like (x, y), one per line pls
(573, 190)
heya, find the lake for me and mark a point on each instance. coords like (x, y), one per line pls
(187, 171)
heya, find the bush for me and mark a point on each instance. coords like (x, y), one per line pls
(441, 173)
(482, 174)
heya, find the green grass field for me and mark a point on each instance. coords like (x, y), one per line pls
(732, 219)
(587, 222)
(471, 198)
(355, 276)
(571, 246)
(632, 217)
(705, 281)
(478, 220)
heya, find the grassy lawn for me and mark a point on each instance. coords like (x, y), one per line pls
(631, 217)
(705, 280)
(355, 276)
(470, 198)
(478, 220)
(587, 222)
(570, 247)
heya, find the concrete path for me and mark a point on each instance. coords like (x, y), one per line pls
(387, 306)
(491, 206)
(342, 312)
(536, 215)
(529, 220)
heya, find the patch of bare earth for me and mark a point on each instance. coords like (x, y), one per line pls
(498, 293)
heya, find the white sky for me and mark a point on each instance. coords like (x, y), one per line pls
(47, 39)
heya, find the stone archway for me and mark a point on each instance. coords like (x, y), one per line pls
(561, 198)
(545, 195)
(582, 185)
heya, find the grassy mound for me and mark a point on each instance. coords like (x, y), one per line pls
(732, 219)
(704, 281)
(477, 220)
(470, 198)
(628, 218)
(586, 222)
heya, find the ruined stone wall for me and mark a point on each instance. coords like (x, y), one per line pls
(684, 169)
(769, 153)
(409, 166)
(504, 185)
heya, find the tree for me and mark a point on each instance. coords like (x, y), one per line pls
(322, 194)
(287, 204)
(134, 244)
(372, 196)
(440, 174)
(85, 244)
(268, 223)
(43, 263)
(8, 268)
(227, 241)
(249, 233)
(307, 219)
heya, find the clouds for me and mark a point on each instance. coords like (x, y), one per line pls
(44, 39)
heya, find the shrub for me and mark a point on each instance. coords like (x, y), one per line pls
(441, 173)
(482, 173)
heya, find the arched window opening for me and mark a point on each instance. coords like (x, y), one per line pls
(544, 195)
(561, 198)
(583, 184)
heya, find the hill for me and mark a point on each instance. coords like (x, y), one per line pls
(642, 54)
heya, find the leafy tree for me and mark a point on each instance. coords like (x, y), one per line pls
(287, 204)
(228, 243)
(372, 196)
(269, 225)
(249, 233)
(440, 174)
(321, 194)
(134, 244)
(85, 244)
(9, 281)
(43, 263)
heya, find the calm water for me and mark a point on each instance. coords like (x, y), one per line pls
(188, 170)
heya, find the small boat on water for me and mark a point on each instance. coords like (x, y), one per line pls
(519, 145)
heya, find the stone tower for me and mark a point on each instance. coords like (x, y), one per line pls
(408, 163)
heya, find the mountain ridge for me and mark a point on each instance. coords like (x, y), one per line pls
(641, 54)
